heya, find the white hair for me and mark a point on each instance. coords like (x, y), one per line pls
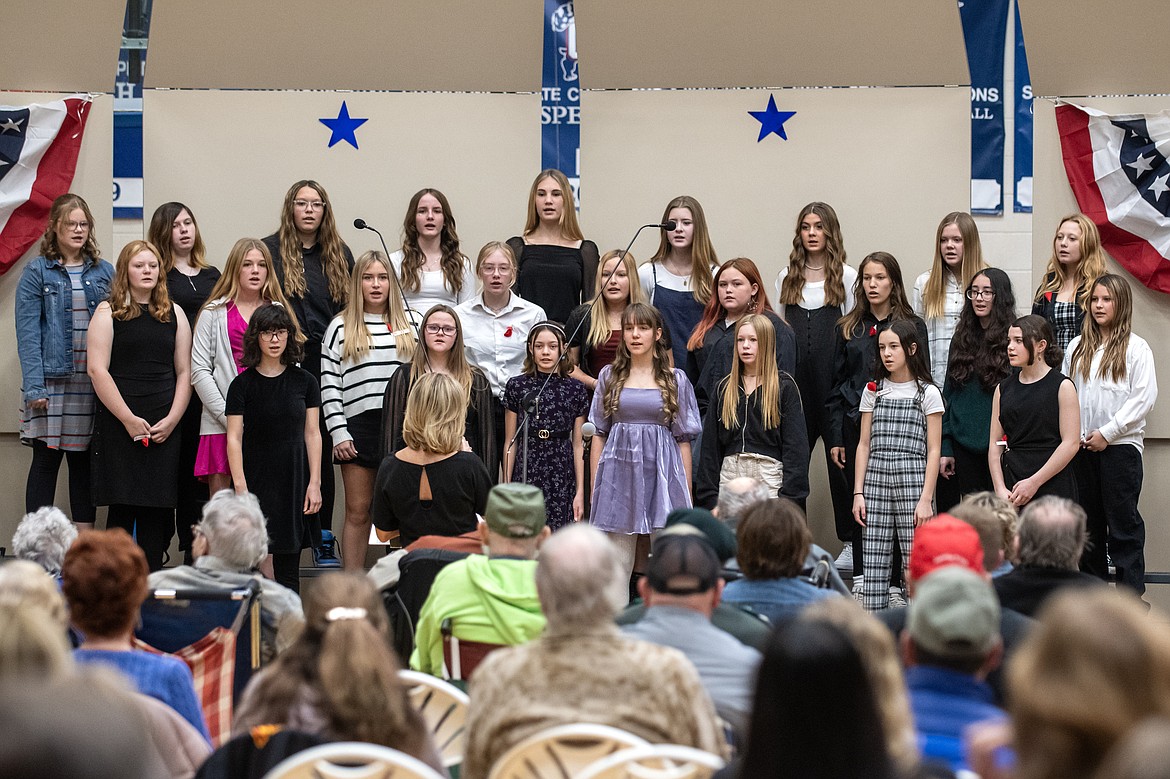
(579, 579)
(43, 536)
(737, 496)
(235, 529)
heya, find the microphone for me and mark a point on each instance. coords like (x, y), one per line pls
(668, 225)
(588, 430)
(361, 224)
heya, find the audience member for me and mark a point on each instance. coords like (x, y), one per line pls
(43, 536)
(681, 589)
(33, 643)
(737, 496)
(773, 541)
(1009, 520)
(104, 582)
(339, 679)
(950, 644)
(581, 669)
(490, 597)
(1051, 541)
(229, 544)
(1143, 754)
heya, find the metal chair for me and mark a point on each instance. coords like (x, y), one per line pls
(352, 760)
(655, 761)
(444, 708)
(562, 752)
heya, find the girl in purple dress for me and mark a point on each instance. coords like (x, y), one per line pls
(646, 418)
(554, 429)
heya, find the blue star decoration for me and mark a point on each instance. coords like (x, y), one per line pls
(771, 120)
(343, 127)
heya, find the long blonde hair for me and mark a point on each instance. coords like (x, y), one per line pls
(436, 415)
(792, 289)
(457, 363)
(1088, 270)
(353, 317)
(768, 397)
(228, 285)
(599, 311)
(332, 247)
(570, 228)
(647, 315)
(122, 306)
(1116, 344)
(703, 256)
(452, 261)
(934, 295)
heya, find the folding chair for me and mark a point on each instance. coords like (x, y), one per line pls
(461, 657)
(655, 761)
(352, 760)
(444, 708)
(563, 751)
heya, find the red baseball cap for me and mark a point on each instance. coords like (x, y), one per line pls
(944, 541)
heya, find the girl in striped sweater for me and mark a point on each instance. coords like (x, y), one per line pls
(363, 346)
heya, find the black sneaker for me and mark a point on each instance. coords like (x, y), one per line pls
(325, 556)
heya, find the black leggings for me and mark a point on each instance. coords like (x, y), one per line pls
(41, 488)
(286, 570)
(151, 526)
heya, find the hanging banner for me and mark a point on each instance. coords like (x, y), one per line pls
(985, 33)
(560, 98)
(1023, 139)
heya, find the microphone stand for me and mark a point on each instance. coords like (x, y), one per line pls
(588, 430)
(529, 407)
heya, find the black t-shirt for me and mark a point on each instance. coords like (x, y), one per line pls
(459, 489)
(316, 309)
(191, 292)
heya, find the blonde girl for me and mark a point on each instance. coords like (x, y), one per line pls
(1076, 262)
(595, 328)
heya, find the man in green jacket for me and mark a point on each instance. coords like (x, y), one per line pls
(489, 598)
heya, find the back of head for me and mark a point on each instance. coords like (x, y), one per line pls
(721, 537)
(516, 518)
(24, 583)
(235, 529)
(33, 643)
(1052, 533)
(579, 580)
(737, 496)
(941, 542)
(682, 564)
(436, 411)
(773, 540)
(954, 619)
(1144, 753)
(989, 528)
(1093, 667)
(104, 582)
(43, 536)
(812, 687)
(1004, 511)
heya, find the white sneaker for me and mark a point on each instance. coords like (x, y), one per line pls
(897, 598)
(844, 561)
(858, 585)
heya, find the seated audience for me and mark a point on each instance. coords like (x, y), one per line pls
(1051, 541)
(681, 589)
(339, 679)
(772, 541)
(33, 622)
(1009, 521)
(816, 714)
(737, 496)
(491, 597)
(104, 582)
(581, 669)
(43, 536)
(1143, 754)
(950, 644)
(229, 543)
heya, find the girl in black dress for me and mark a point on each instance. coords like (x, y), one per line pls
(1035, 419)
(557, 265)
(273, 438)
(140, 364)
(175, 233)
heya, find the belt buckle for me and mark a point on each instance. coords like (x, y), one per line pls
(543, 434)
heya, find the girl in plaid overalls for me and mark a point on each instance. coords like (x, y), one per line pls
(897, 458)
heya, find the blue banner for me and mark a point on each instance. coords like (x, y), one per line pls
(560, 96)
(985, 33)
(1023, 139)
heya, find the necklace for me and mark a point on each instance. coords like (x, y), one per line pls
(814, 267)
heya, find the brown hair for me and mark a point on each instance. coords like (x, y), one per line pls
(160, 233)
(452, 260)
(103, 579)
(715, 310)
(772, 540)
(1116, 343)
(792, 289)
(702, 251)
(332, 248)
(646, 315)
(899, 305)
(58, 213)
(934, 295)
(564, 364)
(570, 228)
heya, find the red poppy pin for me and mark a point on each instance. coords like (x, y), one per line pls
(872, 386)
(1048, 296)
(508, 332)
(873, 329)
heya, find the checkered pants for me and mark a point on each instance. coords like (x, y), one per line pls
(892, 487)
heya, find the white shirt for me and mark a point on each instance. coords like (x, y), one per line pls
(932, 400)
(1117, 409)
(813, 294)
(497, 342)
(939, 329)
(432, 286)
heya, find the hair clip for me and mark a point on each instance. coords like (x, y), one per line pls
(339, 613)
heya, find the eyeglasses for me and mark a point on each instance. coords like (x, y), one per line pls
(274, 335)
(444, 329)
(310, 205)
(980, 294)
(74, 226)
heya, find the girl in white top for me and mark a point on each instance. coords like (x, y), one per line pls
(679, 279)
(1113, 371)
(430, 265)
(938, 293)
(362, 348)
